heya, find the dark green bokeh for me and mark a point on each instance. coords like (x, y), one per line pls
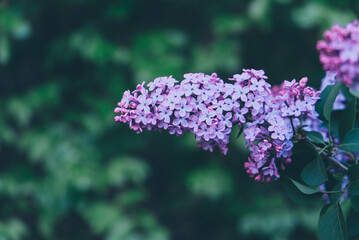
(67, 171)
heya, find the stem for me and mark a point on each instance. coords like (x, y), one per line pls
(326, 155)
(329, 192)
(338, 163)
(323, 149)
(335, 161)
(329, 135)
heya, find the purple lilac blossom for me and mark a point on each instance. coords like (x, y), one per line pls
(209, 108)
(339, 53)
(200, 104)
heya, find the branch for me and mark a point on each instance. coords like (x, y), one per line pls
(327, 156)
(335, 161)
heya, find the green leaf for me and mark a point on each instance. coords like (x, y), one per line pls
(354, 188)
(353, 172)
(297, 195)
(331, 225)
(328, 105)
(351, 141)
(315, 137)
(335, 122)
(319, 106)
(347, 119)
(354, 200)
(353, 223)
(335, 196)
(303, 188)
(314, 174)
(324, 105)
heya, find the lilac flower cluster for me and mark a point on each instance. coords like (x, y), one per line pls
(208, 107)
(339, 53)
(200, 104)
(269, 137)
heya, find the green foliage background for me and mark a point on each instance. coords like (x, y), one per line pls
(67, 171)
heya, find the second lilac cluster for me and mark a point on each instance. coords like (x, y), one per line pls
(339, 53)
(269, 137)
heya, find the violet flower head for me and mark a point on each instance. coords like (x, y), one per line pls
(201, 104)
(339, 53)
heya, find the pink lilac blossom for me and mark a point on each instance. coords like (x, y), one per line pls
(201, 104)
(339, 53)
(269, 137)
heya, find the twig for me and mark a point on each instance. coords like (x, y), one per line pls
(335, 161)
(327, 156)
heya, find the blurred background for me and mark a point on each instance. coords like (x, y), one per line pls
(67, 171)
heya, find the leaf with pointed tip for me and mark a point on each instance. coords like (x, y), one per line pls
(303, 188)
(331, 225)
(315, 137)
(297, 195)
